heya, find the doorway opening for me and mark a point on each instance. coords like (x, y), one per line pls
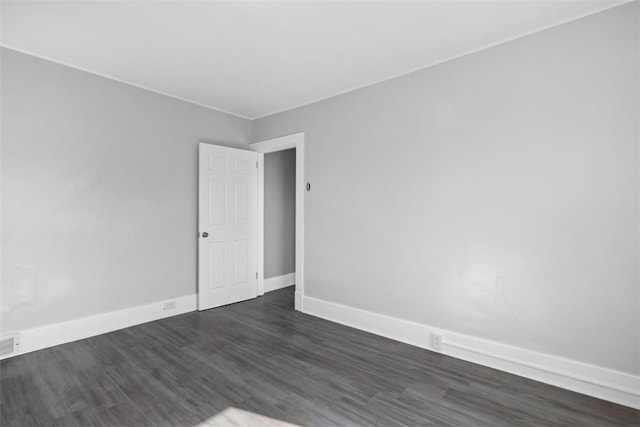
(279, 220)
(294, 144)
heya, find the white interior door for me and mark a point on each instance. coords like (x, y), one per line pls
(228, 226)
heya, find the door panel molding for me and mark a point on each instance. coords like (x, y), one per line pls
(227, 225)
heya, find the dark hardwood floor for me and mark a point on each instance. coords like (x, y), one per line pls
(261, 363)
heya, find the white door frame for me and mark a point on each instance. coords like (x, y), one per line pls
(270, 146)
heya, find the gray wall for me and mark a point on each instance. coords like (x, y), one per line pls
(494, 195)
(99, 185)
(279, 213)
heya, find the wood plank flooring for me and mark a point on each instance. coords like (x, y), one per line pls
(262, 363)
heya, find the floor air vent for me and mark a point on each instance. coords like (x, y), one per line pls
(9, 345)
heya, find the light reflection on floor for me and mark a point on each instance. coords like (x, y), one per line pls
(239, 417)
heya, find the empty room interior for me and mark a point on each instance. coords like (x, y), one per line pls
(320, 213)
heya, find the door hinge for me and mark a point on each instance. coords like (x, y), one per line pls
(256, 274)
(256, 164)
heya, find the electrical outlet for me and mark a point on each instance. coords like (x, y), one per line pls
(171, 305)
(436, 342)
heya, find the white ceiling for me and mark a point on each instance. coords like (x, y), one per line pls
(256, 58)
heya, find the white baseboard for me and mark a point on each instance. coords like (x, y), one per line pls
(73, 330)
(603, 383)
(606, 384)
(279, 282)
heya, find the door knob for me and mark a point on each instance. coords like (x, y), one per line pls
(205, 234)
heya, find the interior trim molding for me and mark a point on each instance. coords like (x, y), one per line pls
(596, 381)
(77, 329)
(446, 59)
(298, 300)
(279, 282)
(126, 82)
